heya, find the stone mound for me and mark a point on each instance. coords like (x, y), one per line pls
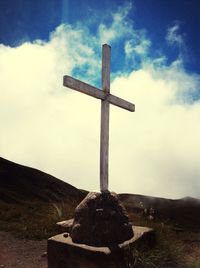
(101, 220)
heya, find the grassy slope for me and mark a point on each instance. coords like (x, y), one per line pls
(31, 201)
(177, 227)
(181, 213)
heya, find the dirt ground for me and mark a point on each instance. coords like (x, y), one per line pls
(21, 253)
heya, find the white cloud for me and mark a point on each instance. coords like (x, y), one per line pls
(140, 48)
(174, 37)
(161, 138)
(152, 151)
(119, 26)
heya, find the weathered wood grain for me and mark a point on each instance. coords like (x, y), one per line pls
(106, 68)
(85, 88)
(104, 148)
(104, 139)
(121, 103)
(80, 86)
(106, 98)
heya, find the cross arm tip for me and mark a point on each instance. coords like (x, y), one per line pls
(65, 78)
(133, 108)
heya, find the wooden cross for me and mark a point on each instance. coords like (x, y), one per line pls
(106, 98)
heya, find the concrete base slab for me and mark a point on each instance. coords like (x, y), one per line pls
(63, 253)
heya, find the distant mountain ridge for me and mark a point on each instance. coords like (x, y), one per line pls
(184, 212)
(23, 185)
(32, 202)
(18, 182)
(157, 202)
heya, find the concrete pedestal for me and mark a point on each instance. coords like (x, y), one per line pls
(64, 253)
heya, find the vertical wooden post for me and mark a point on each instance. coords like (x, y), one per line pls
(106, 98)
(105, 119)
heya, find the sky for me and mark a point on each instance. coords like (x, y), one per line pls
(154, 64)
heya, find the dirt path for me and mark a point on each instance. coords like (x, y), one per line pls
(21, 253)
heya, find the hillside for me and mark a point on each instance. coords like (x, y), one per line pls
(31, 201)
(177, 229)
(28, 195)
(18, 183)
(182, 213)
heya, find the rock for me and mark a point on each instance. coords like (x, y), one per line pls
(44, 254)
(101, 220)
(64, 226)
(65, 235)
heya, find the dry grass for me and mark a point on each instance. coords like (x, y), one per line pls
(34, 220)
(174, 247)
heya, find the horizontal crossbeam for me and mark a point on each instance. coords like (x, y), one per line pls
(121, 103)
(85, 88)
(80, 86)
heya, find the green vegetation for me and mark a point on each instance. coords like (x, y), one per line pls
(166, 252)
(32, 202)
(174, 247)
(35, 220)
